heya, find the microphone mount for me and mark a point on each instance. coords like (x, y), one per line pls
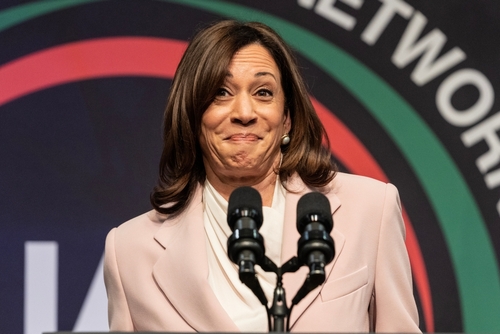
(246, 249)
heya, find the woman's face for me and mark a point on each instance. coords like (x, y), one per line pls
(241, 130)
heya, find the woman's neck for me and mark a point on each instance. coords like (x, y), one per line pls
(264, 185)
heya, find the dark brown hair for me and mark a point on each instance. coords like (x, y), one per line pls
(200, 74)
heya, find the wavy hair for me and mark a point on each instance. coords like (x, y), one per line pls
(200, 74)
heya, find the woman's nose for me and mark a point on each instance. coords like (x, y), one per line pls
(243, 110)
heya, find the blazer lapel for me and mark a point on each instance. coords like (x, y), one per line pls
(182, 271)
(293, 281)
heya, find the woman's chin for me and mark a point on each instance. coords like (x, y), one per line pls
(243, 174)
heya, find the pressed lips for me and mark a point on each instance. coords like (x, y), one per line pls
(243, 137)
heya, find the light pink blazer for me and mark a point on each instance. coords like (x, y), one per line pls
(156, 269)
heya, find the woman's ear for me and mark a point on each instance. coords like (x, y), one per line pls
(288, 121)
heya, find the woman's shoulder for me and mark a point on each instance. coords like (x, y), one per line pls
(147, 223)
(348, 178)
(361, 186)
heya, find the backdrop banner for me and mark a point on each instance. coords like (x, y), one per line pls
(406, 89)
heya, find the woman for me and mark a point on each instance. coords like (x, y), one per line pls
(238, 114)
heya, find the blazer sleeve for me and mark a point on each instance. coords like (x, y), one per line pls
(119, 317)
(395, 309)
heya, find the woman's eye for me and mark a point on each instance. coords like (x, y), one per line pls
(264, 93)
(222, 92)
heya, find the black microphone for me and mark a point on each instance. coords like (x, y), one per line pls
(315, 246)
(245, 246)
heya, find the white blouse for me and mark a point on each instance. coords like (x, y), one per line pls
(237, 299)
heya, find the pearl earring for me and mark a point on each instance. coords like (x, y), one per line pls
(285, 139)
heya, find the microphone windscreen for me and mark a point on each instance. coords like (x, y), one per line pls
(244, 201)
(317, 204)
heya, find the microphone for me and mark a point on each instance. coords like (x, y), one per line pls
(315, 246)
(245, 247)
